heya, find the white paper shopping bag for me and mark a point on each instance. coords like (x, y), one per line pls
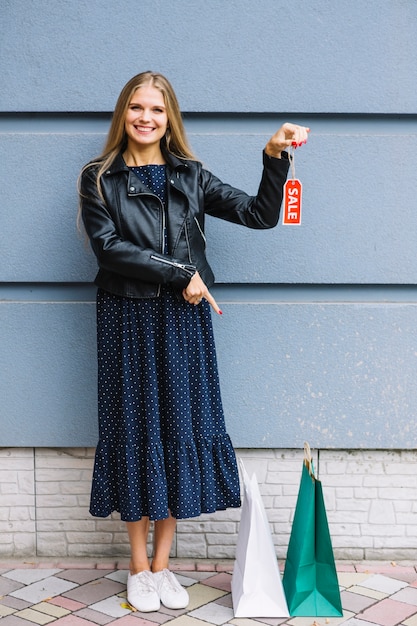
(257, 589)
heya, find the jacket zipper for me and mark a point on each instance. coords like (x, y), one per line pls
(173, 264)
(188, 242)
(163, 235)
(163, 260)
(200, 229)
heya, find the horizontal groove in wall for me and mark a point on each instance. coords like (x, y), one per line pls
(230, 293)
(217, 123)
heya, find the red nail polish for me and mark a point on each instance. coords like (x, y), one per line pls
(220, 312)
(294, 143)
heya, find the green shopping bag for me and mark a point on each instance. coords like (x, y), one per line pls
(310, 578)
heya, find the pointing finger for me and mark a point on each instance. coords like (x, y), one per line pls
(213, 303)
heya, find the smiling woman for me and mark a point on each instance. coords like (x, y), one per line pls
(163, 451)
(145, 125)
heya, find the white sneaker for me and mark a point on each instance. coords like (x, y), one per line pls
(142, 593)
(171, 593)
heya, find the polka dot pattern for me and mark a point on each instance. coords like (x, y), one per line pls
(162, 439)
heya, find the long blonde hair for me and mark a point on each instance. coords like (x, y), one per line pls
(175, 139)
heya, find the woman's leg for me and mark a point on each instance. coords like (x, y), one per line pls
(171, 593)
(164, 531)
(141, 588)
(138, 537)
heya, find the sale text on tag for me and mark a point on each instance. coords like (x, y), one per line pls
(292, 202)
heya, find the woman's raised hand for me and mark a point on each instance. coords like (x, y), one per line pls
(286, 136)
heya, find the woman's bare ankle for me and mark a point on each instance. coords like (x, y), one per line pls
(136, 568)
(158, 566)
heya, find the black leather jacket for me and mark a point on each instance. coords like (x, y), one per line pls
(126, 229)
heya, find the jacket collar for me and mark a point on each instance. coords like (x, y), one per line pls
(119, 164)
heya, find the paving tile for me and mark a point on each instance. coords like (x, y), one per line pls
(95, 591)
(111, 606)
(202, 594)
(245, 621)
(219, 581)
(71, 620)
(348, 579)
(28, 576)
(309, 621)
(186, 581)
(205, 566)
(82, 576)
(408, 576)
(227, 567)
(131, 621)
(196, 576)
(370, 593)
(35, 616)
(71, 605)
(375, 596)
(388, 612)
(7, 585)
(6, 610)
(355, 602)
(15, 603)
(185, 620)
(272, 621)
(158, 617)
(50, 609)
(12, 620)
(123, 564)
(353, 621)
(6, 566)
(408, 595)
(378, 582)
(401, 572)
(94, 617)
(119, 576)
(225, 600)
(171, 613)
(213, 613)
(84, 564)
(341, 566)
(39, 591)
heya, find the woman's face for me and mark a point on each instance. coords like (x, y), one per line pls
(146, 118)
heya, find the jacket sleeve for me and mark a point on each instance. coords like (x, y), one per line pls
(116, 254)
(233, 205)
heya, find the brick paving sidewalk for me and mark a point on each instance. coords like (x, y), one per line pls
(85, 594)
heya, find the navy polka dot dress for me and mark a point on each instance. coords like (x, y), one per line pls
(162, 439)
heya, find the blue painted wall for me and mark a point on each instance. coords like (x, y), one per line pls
(318, 339)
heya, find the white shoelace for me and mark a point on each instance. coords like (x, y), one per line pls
(168, 578)
(144, 581)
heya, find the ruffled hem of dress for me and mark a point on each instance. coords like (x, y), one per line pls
(185, 479)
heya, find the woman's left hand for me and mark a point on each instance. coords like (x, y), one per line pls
(286, 136)
(196, 290)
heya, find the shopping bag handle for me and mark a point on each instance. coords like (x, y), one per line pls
(244, 473)
(308, 459)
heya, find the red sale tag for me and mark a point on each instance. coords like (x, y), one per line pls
(292, 202)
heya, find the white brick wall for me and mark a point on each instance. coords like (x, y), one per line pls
(17, 502)
(371, 502)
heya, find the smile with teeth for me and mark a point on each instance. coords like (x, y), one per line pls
(144, 129)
